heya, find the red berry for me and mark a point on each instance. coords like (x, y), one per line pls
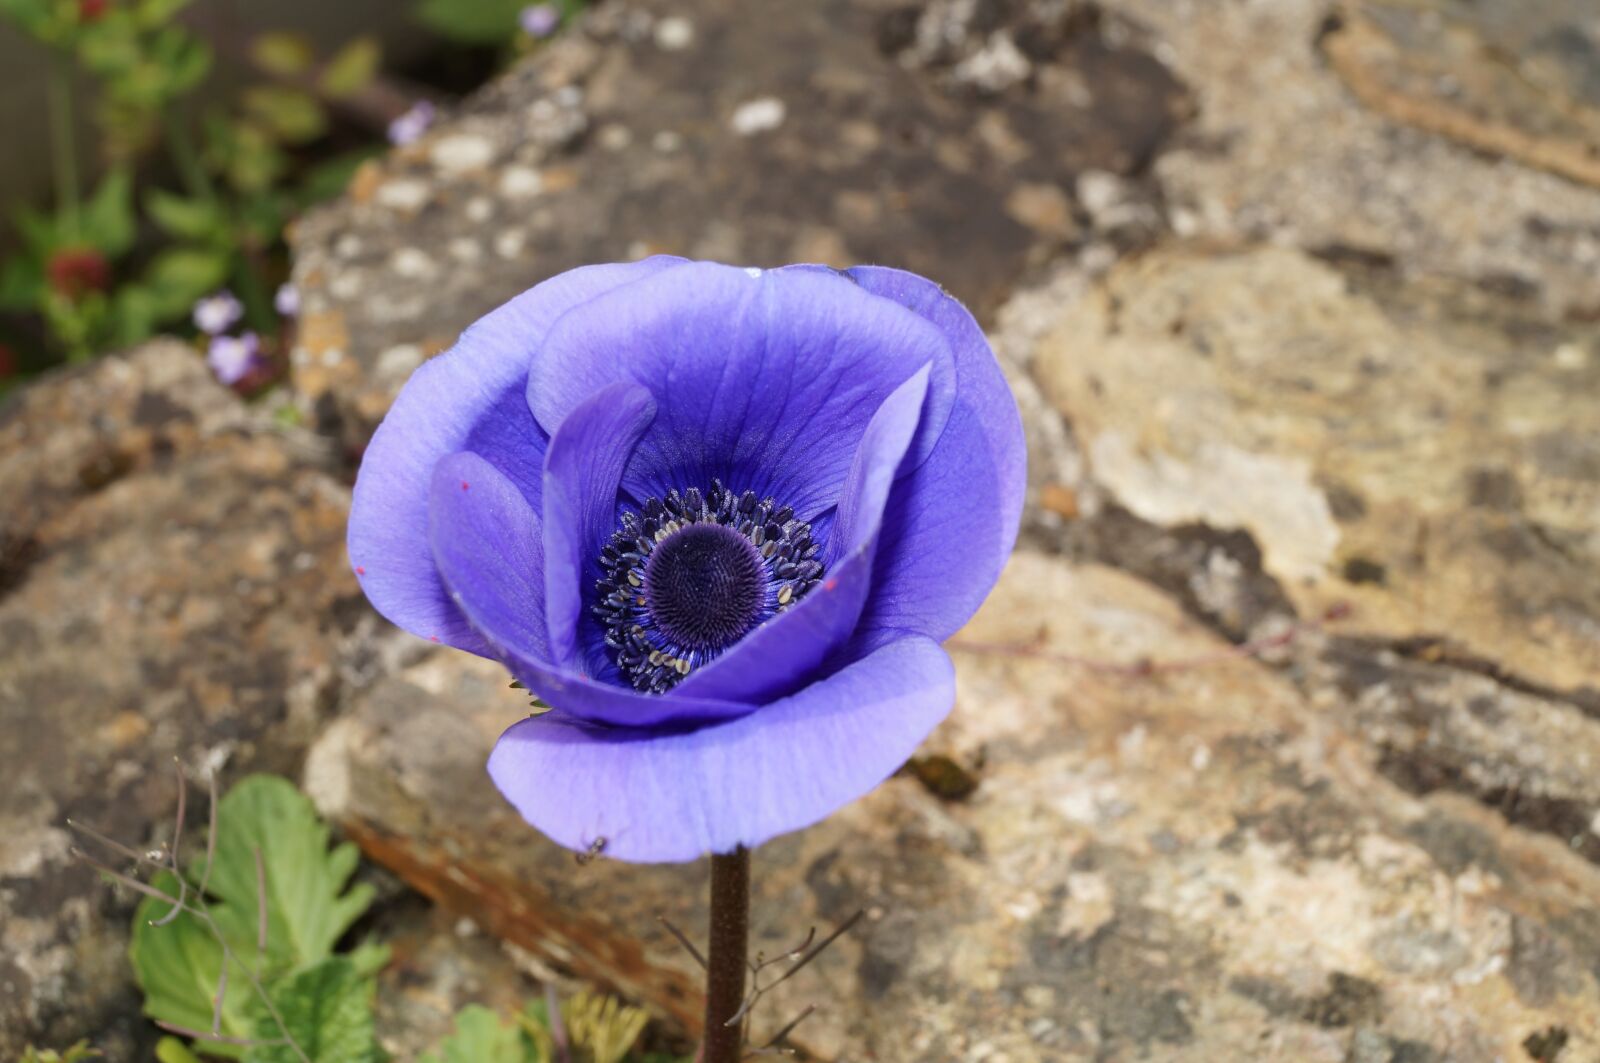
(92, 10)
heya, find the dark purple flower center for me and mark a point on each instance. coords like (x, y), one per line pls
(688, 576)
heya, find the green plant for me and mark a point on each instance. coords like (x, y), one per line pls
(593, 1029)
(110, 269)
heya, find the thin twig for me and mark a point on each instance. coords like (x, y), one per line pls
(110, 843)
(216, 1038)
(682, 940)
(216, 1001)
(762, 964)
(211, 831)
(789, 1029)
(172, 850)
(816, 950)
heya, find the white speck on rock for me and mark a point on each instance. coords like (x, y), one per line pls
(460, 152)
(480, 209)
(413, 263)
(615, 137)
(521, 182)
(758, 116)
(405, 194)
(332, 357)
(348, 246)
(674, 34)
(465, 249)
(398, 361)
(510, 243)
(345, 285)
(667, 141)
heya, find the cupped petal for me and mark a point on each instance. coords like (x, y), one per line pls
(489, 548)
(473, 397)
(582, 471)
(950, 525)
(672, 796)
(781, 654)
(766, 380)
(479, 525)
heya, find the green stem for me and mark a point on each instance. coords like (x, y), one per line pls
(247, 285)
(190, 168)
(63, 144)
(728, 956)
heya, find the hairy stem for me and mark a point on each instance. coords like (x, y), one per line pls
(726, 965)
(63, 143)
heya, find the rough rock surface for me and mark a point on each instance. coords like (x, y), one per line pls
(1308, 354)
(172, 584)
(832, 131)
(1190, 864)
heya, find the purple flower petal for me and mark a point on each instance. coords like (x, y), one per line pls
(779, 655)
(674, 796)
(755, 364)
(216, 314)
(489, 546)
(472, 397)
(949, 526)
(582, 471)
(232, 358)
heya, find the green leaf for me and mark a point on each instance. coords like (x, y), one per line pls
(152, 13)
(21, 283)
(369, 957)
(331, 177)
(472, 21)
(187, 219)
(326, 1010)
(282, 54)
(294, 116)
(308, 907)
(179, 276)
(134, 314)
(108, 219)
(353, 68)
(178, 966)
(172, 1050)
(75, 1054)
(481, 1036)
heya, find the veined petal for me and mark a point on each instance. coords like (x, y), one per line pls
(673, 796)
(473, 397)
(765, 380)
(782, 653)
(965, 502)
(582, 473)
(489, 547)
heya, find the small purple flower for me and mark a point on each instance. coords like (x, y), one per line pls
(286, 301)
(232, 358)
(216, 314)
(719, 518)
(540, 20)
(411, 125)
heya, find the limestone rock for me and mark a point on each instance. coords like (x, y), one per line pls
(1185, 865)
(174, 586)
(942, 137)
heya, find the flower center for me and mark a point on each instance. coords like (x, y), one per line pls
(688, 576)
(703, 584)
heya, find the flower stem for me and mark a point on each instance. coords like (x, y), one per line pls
(730, 947)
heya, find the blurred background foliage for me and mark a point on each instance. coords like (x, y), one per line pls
(183, 135)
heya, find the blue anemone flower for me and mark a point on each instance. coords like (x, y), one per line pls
(719, 518)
